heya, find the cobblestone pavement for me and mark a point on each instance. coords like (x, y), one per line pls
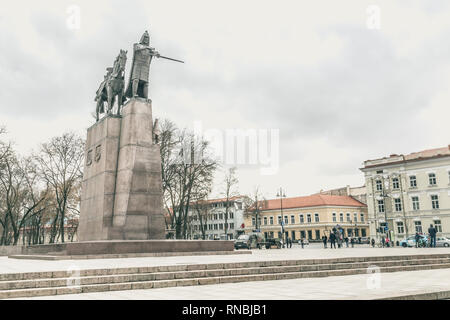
(353, 287)
(8, 265)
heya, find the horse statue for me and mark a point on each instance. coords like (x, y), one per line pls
(113, 85)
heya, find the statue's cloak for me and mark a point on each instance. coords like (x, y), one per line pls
(140, 66)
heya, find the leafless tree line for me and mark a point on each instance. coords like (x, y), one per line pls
(40, 193)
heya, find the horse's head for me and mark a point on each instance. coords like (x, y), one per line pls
(122, 59)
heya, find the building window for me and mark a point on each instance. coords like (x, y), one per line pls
(309, 217)
(418, 226)
(432, 179)
(310, 234)
(379, 185)
(317, 234)
(334, 217)
(363, 232)
(438, 225)
(293, 235)
(395, 183)
(253, 221)
(381, 206)
(231, 215)
(221, 216)
(435, 201)
(279, 219)
(355, 217)
(398, 204)
(302, 219)
(215, 216)
(415, 203)
(265, 221)
(400, 227)
(292, 219)
(316, 217)
(221, 226)
(348, 217)
(271, 220)
(286, 220)
(302, 234)
(341, 217)
(362, 217)
(279, 235)
(215, 226)
(413, 181)
(231, 225)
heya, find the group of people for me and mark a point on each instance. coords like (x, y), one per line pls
(337, 237)
(421, 242)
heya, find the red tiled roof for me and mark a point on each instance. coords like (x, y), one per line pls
(315, 200)
(415, 156)
(428, 153)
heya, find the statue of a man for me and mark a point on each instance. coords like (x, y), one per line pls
(140, 68)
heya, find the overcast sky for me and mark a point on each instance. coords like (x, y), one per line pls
(339, 91)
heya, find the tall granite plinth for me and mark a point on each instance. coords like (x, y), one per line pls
(97, 196)
(122, 188)
(138, 204)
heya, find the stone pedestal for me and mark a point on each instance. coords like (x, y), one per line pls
(122, 189)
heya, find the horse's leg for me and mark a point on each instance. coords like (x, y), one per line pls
(110, 98)
(97, 111)
(119, 101)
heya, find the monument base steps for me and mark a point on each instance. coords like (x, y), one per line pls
(16, 285)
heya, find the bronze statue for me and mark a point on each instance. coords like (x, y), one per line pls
(116, 82)
(113, 85)
(101, 95)
(140, 67)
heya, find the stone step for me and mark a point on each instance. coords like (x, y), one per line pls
(85, 288)
(233, 265)
(134, 277)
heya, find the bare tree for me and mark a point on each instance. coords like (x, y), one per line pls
(254, 204)
(186, 165)
(60, 165)
(230, 191)
(21, 196)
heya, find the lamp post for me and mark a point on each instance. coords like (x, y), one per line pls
(384, 196)
(281, 194)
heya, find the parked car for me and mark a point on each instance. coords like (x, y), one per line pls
(411, 241)
(442, 242)
(365, 240)
(249, 241)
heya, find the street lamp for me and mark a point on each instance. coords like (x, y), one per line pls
(384, 196)
(281, 194)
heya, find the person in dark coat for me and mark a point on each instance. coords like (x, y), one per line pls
(332, 240)
(432, 232)
(324, 240)
(417, 238)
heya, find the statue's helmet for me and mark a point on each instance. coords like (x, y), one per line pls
(145, 39)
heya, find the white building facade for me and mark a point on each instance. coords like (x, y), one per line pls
(408, 193)
(216, 224)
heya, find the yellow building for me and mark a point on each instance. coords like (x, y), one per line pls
(309, 217)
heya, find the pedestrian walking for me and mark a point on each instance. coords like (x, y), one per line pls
(324, 240)
(290, 243)
(346, 241)
(432, 232)
(332, 240)
(373, 243)
(302, 243)
(352, 241)
(382, 242)
(417, 238)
